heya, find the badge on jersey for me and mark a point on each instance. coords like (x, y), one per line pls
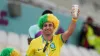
(52, 45)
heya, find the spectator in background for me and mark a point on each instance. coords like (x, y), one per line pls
(90, 23)
(97, 40)
(34, 29)
(60, 30)
(9, 52)
(87, 36)
(90, 35)
(82, 38)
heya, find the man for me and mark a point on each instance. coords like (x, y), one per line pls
(49, 44)
(34, 29)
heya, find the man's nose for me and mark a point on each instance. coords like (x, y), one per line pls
(47, 27)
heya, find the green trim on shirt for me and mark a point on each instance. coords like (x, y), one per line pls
(62, 39)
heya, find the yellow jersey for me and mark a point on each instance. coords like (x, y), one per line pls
(37, 45)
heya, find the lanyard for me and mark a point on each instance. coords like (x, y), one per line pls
(46, 45)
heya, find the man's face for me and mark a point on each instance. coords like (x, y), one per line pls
(48, 28)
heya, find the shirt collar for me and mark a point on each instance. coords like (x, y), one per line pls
(43, 40)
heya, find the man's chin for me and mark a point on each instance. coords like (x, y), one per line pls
(48, 32)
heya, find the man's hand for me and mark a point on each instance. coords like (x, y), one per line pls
(73, 11)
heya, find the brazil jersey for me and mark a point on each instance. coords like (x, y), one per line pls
(37, 45)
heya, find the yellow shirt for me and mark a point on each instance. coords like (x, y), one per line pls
(53, 49)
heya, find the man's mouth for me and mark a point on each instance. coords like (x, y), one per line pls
(47, 30)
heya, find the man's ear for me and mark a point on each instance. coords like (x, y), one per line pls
(53, 26)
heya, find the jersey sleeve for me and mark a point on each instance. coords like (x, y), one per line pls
(60, 40)
(31, 50)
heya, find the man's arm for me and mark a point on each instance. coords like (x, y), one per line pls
(72, 26)
(69, 32)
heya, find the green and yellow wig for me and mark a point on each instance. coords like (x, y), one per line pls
(9, 52)
(48, 18)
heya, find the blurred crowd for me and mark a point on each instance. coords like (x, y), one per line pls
(90, 35)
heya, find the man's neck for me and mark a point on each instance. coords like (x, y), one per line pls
(48, 37)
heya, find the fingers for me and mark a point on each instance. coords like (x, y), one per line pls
(73, 11)
(78, 12)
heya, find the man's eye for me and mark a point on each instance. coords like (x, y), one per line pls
(45, 25)
(50, 25)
